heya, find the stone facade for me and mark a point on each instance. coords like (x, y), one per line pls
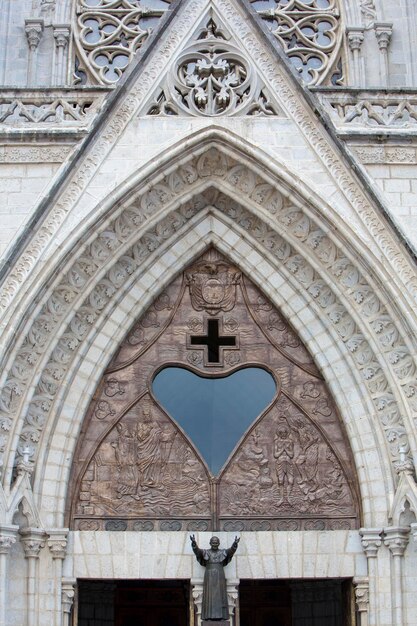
(126, 154)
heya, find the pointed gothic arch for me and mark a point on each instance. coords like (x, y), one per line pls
(217, 169)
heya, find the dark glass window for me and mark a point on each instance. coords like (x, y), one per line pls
(214, 412)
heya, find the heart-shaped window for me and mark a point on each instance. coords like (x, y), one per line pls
(214, 412)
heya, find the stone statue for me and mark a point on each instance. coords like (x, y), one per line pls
(215, 605)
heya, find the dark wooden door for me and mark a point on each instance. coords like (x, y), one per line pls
(265, 603)
(159, 603)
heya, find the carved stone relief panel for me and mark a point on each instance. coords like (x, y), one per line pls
(140, 464)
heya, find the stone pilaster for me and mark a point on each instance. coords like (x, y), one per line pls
(33, 540)
(371, 542)
(355, 37)
(34, 30)
(61, 36)
(383, 34)
(57, 544)
(361, 586)
(68, 588)
(396, 539)
(7, 539)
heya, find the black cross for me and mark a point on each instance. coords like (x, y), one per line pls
(213, 341)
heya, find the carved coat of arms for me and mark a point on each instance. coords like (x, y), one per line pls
(213, 286)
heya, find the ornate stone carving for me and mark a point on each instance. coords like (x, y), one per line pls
(371, 541)
(396, 539)
(383, 33)
(293, 226)
(213, 286)
(108, 34)
(385, 154)
(361, 586)
(38, 154)
(310, 34)
(57, 542)
(368, 13)
(143, 470)
(33, 540)
(212, 77)
(34, 31)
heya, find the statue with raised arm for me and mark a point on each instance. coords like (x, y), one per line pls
(215, 605)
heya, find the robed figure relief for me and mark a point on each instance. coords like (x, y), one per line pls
(215, 605)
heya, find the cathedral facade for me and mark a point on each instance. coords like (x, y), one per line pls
(208, 310)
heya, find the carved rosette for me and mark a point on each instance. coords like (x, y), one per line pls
(136, 469)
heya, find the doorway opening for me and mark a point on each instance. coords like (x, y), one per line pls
(325, 602)
(133, 603)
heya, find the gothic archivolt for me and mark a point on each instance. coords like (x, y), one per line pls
(301, 245)
(135, 469)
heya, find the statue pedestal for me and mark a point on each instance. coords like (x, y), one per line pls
(215, 622)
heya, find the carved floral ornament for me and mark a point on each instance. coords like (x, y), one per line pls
(290, 235)
(135, 469)
(109, 33)
(212, 77)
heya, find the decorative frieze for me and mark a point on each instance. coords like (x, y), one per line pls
(48, 107)
(385, 154)
(34, 154)
(371, 109)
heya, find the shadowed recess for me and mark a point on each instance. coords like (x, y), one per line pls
(214, 412)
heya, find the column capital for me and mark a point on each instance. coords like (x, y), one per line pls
(383, 33)
(57, 542)
(355, 36)
(361, 585)
(396, 539)
(8, 536)
(68, 586)
(232, 594)
(371, 541)
(34, 30)
(61, 35)
(33, 540)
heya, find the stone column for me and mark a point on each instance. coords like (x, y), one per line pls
(383, 33)
(61, 35)
(361, 586)
(396, 539)
(57, 544)
(371, 542)
(7, 539)
(34, 31)
(33, 540)
(67, 598)
(355, 37)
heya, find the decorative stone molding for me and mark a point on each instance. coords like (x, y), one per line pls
(371, 541)
(385, 154)
(39, 154)
(197, 593)
(49, 107)
(371, 109)
(383, 33)
(368, 12)
(232, 594)
(57, 542)
(212, 77)
(396, 539)
(294, 227)
(361, 587)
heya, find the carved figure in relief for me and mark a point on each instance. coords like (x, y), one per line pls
(215, 605)
(307, 460)
(125, 450)
(284, 455)
(151, 450)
